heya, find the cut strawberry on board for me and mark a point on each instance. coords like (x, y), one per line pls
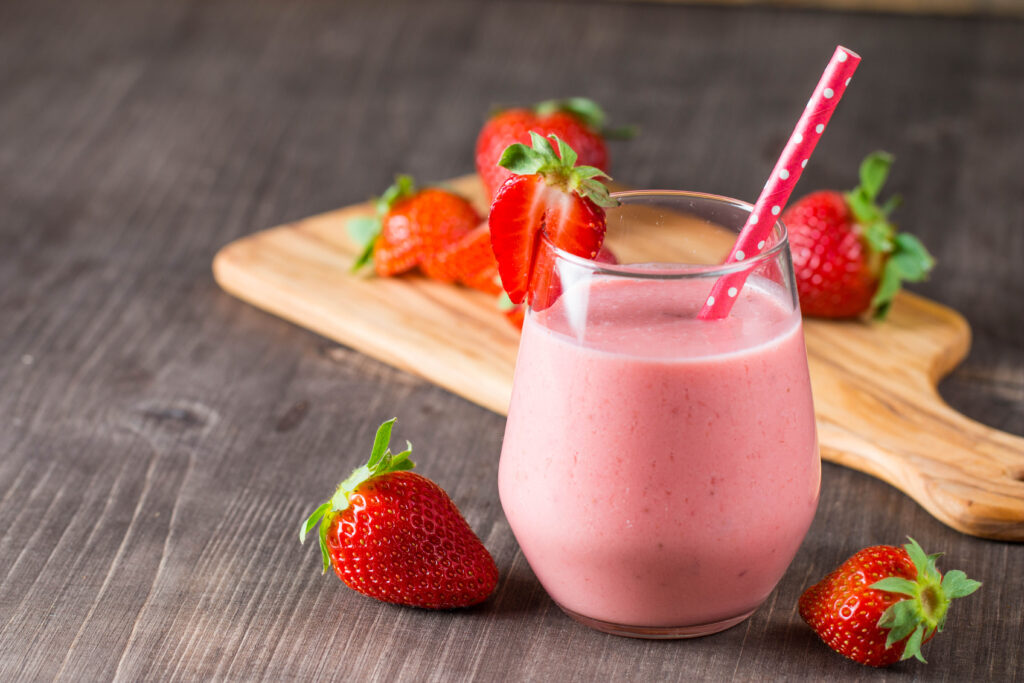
(546, 194)
(410, 226)
(468, 260)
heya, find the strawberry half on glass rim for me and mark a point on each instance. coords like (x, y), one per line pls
(547, 194)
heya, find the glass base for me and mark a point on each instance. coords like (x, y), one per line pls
(657, 632)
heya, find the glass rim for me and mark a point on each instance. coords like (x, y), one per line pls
(675, 270)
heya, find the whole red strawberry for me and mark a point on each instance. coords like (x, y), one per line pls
(578, 121)
(847, 255)
(883, 603)
(397, 536)
(410, 226)
(548, 194)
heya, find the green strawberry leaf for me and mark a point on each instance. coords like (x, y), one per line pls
(404, 186)
(381, 461)
(901, 619)
(915, 260)
(585, 109)
(861, 206)
(363, 229)
(913, 646)
(596, 192)
(879, 236)
(955, 584)
(504, 302)
(876, 229)
(621, 133)
(318, 518)
(566, 153)
(873, 172)
(590, 113)
(559, 170)
(905, 258)
(888, 285)
(925, 608)
(543, 146)
(400, 461)
(920, 559)
(365, 257)
(912, 267)
(588, 172)
(896, 613)
(310, 523)
(325, 554)
(380, 443)
(895, 584)
(910, 262)
(891, 204)
(521, 160)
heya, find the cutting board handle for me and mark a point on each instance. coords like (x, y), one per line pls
(968, 475)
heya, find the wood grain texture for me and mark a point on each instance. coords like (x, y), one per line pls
(874, 384)
(879, 412)
(159, 440)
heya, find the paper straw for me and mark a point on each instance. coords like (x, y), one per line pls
(783, 179)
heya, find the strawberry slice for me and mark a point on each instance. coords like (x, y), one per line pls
(549, 194)
(468, 260)
(487, 281)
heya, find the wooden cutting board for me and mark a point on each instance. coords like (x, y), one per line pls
(874, 384)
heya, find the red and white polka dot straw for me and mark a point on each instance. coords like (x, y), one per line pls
(783, 179)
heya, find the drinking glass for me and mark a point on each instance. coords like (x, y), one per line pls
(660, 471)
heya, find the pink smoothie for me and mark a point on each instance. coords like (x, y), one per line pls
(661, 471)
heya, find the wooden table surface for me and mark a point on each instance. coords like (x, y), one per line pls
(160, 441)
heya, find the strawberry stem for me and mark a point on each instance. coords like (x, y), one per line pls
(930, 603)
(896, 257)
(589, 112)
(586, 110)
(923, 610)
(382, 461)
(558, 169)
(364, 230)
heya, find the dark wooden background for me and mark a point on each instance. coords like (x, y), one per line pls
(160, 441)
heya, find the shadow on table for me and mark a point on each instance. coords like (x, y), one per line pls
(518, 593)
